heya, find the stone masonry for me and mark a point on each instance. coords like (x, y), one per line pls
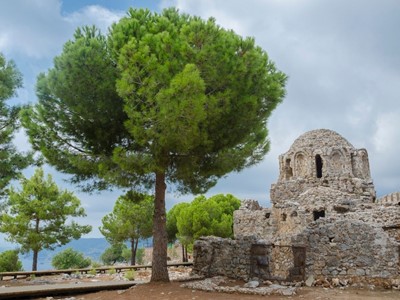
(325, 221)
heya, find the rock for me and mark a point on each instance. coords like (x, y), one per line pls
(310, 281)
(360, 272)
(76, 276)
(335, 282)
(298, 284)
(267, 282)
(252, 284)
(289, 292)
(396, 282)
(343, 282)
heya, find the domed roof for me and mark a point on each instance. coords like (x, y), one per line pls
(320, 138)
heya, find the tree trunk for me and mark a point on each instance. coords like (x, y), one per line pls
(183, 253)
(134, 245)
(35, 260)
(35, 251)
(160, 240)
(133, 253)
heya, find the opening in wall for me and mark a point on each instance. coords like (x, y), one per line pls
(318, 214)
(288, 169)
(318, 165)
(399, 257)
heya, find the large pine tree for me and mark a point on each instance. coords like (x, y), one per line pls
(11, 161)
(165, 98)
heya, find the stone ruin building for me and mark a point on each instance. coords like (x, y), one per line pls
(325, 221)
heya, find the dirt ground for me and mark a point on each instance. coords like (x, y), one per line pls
(173, 291)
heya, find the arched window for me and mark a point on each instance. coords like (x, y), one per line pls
(288, 169)
(318, 165)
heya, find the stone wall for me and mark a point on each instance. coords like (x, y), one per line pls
(246, 258)
(343, 248)
(361, 190)
(215, 256)
(253, 220)
(393, 198)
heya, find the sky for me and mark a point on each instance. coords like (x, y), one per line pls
(342, 59)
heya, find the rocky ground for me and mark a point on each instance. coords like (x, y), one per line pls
(184, 286)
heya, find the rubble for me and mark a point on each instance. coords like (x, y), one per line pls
(219, 284)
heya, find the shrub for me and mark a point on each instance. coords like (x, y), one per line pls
(130, 275)
(93, 271)
(95, 264)
(9, 261)
(113, 254)
(111, 271)
(140, 256)
(70, 259)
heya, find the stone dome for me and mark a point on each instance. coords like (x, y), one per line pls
(320, 138)
(324, 154)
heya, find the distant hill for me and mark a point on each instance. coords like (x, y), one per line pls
(90, 247)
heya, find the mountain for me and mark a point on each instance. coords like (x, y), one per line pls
(90, 247)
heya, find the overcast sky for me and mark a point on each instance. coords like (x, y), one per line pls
(342, 58)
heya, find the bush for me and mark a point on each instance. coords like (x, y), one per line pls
(140, 256)
(95, 264)
(93, 271)
(70, 259)
(113, 254)
(9, 261)
(130, 275)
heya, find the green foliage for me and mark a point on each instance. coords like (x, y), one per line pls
(172, 214)
(126, 254)
(9, 261)
(204, 217)
(111, 271)
(37, 215)
(10, 78)
(180, 80)
(93, 271)
(95, 264)
(163, 98)
(130, 220)
(70, 259)
(140, 256)
(130, 275)
(79, 110)
(11, 162)
(113, 254)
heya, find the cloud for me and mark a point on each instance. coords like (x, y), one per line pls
(96, 15)
(31, 28)
(38, 29)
